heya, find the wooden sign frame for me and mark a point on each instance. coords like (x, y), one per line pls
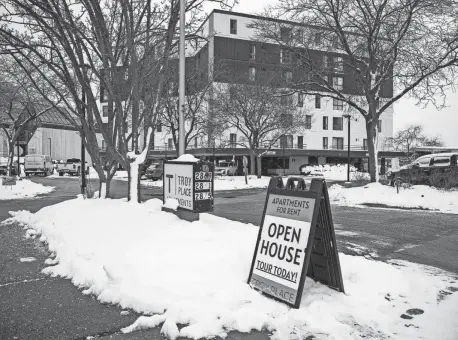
(321, 261)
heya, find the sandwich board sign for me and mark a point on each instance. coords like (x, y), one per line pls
(190, 183)
(296, 239)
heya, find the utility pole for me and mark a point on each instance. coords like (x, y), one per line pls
(83, 150)
(182, 78)
(348, 147)
(18, 161)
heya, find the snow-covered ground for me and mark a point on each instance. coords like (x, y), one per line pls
(23, 189)
(195, 274)
(415, 197)
(224, 182)
(334, 172)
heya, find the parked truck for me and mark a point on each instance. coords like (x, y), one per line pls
(38, 164)
(72, 167)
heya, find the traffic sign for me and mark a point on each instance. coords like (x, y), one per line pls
(296, 239)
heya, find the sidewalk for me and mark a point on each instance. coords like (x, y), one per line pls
(38, 307)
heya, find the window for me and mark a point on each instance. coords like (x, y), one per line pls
(233, 140)
(170, 144)
(337, 123)
(287, 76)
(300, 142)
(338, 64)
(424, 162)
(337, 104)
(308, 121)
(105, 111)
(252, 73)
(335, 41)
(285, 34)
(442, 161)
(365, 144)
(300, 99)
(337, 83)
(104, 94)
(103, 145)
(159, 127)
(252, 52)
(286, 120)
(285, 56)
(317, 39)
(325, 123)
(337, 143)
(286, 141)
(233, 26)
(317, 101)
(325, 61)
(300, 35)
(379, 126)
(325, 143)
(286, 99)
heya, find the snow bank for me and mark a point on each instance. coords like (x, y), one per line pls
(195, 274)
(334, 172)
(415, 197)
(23, 189)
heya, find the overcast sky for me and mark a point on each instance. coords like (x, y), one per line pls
(443, 123)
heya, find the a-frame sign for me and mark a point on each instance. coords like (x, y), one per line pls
(296, 239)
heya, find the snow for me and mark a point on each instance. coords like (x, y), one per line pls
(415, 197)
(226, 182)
(27, 259)
(334, 172)
(23, 189)
(194, 275)
(186, 158)
(171, 203)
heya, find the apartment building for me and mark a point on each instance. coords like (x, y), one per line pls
(234, 55)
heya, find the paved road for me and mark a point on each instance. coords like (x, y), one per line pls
(34, 306)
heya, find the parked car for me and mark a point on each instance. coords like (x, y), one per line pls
(38, 164)
(155, 171)
(429, 169)
(72, 167)
(226, 169)
(4, 167)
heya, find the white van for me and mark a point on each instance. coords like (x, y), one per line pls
(38, 164)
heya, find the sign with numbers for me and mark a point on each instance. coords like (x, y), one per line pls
(190, 183)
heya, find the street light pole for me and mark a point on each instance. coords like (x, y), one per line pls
(182, 78)
(83, 151)
(348, 148)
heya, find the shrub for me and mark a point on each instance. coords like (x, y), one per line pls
(444, 179)
(360, 178)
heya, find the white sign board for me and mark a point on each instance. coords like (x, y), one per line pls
(282, 246)
(178, 184)
(395, 165)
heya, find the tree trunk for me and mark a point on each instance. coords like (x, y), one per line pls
(133, 194)
(103, 182)
(371, 128)
(252, 164)
(9, 166)
(259, 163)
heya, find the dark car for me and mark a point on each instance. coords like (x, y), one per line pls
(434, 169)
(155, 170)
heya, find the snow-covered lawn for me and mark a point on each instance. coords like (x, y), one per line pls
(415, 197)
(195, 274)
(334, 172)
(23, 189)
(224, 182)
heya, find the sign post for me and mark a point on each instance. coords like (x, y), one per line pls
(191, 184)
(8, 181)
(395, 168)
(296, 239)
(245, 164)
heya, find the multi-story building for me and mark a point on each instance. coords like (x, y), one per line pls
(232, 55)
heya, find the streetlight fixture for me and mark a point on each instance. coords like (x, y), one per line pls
(348, 116)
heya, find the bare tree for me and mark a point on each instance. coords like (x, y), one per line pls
(262, 114)
(124, 46)
(20, 105)
(368, 54)
(198, 94)
(411, 137)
